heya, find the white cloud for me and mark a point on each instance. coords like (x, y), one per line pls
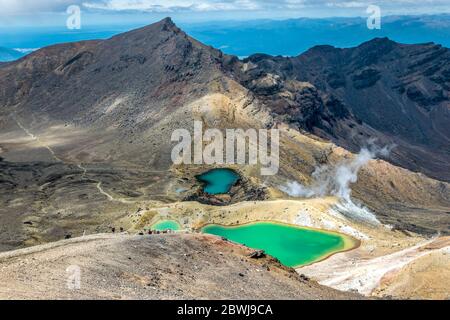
(33, 6)
(348, 4)
(37, 6)
(171, 6)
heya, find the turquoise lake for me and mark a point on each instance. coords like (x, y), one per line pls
(218, 181)
(293, 246)
(166, 225)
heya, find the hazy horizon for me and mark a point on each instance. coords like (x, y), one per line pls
(287, 37)
(15, 13)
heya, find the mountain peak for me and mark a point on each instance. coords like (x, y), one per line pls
(379, 44)
(379, 40)
(167, 21)
(321, 49)
(165, 24)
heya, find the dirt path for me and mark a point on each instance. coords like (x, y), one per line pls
(53, 154)
(111, 198)
(36, 138)
(102, 191)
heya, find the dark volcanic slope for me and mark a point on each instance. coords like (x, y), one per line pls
(381, 89)
(148, 64)
(130, 86)
(125, 84)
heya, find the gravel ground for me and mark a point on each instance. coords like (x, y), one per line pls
(171, 266)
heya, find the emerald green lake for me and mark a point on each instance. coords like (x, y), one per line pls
(218, 181)
(166, 225)
(293, 246)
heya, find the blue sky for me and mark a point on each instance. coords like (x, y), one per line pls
(52, 12)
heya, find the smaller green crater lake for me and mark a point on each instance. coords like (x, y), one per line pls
(218, 181)
(293, 246)
(166, 225)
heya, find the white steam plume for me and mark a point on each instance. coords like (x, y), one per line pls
(336, 180)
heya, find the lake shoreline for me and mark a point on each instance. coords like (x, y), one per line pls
(349, 242)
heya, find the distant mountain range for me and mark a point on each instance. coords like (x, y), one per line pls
(276, 37)
(295, 36)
